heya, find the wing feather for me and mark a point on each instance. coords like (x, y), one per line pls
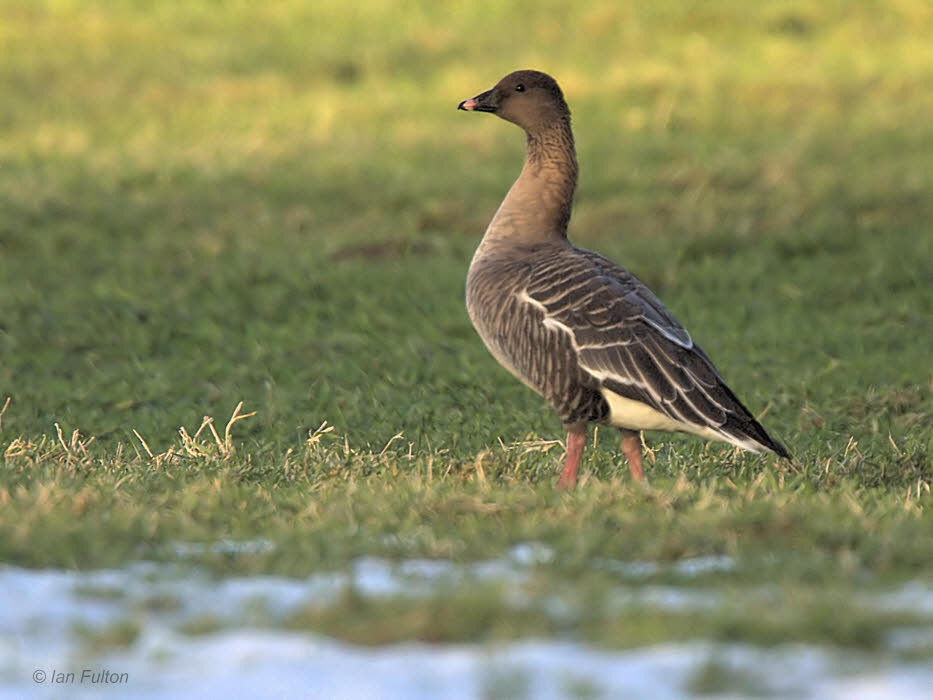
(629, 343)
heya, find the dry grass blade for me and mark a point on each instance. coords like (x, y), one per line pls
(537, 445)
(480, 472)
(314, 437)
(397, 436)
(194, 447)
(206, 421)
(890, 439)
(220, 445)
(143, 443)
(6, 405)
(228, 443)
(16, 448)
(61, 439)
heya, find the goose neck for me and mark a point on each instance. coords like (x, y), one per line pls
(538, 206)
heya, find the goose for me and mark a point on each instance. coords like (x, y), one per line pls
(572, 325)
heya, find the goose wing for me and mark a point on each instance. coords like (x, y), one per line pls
(632, 346)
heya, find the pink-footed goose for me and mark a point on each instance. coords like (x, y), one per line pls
(574, 326)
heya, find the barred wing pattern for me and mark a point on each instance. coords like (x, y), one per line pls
(645, 362)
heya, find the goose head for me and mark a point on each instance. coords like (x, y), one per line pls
(529, 98)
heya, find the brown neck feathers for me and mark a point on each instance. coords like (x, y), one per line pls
(537, 207)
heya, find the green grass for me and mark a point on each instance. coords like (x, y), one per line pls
(205, 203)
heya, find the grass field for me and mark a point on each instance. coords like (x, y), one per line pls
(203, 203)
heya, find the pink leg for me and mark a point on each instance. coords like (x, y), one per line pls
(631, 446)
(575, 442)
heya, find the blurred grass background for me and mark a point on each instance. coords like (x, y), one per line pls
(203, 202)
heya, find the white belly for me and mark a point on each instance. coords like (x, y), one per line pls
(635, 415)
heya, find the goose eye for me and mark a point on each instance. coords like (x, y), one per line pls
(519, 88)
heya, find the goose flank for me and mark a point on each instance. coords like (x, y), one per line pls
(572, 325)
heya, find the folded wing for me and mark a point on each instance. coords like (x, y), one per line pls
(634, 348)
